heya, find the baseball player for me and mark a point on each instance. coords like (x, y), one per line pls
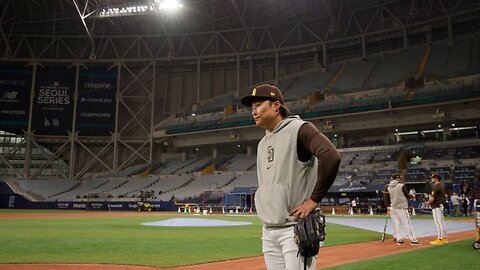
(396, 200)
(436, 201)
(296, 165)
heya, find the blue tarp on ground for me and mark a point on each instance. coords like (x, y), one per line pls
(195, 222)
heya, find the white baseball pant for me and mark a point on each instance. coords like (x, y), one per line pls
(439, 220)
(280, 251)
(402, 224)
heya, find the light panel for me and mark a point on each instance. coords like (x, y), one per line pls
(140, 9)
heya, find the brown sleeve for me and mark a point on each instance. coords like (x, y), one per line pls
(405, 192)
(311, 142)
(386, 196)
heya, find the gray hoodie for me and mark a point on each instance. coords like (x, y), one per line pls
(284, 182)
(398, 195)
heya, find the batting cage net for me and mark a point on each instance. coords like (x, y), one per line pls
(240, 201)
(99, 201)
(236, 202)
(251, 199)
(212, 200)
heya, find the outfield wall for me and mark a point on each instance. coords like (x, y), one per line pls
(15, 201)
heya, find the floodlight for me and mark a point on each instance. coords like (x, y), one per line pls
(169, 5)
(146, 7)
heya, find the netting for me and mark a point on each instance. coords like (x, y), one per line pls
(212, 200)
(236, 202)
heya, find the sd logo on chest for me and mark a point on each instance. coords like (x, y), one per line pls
(270, 156)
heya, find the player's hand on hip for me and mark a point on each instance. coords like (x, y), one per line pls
(304, 209)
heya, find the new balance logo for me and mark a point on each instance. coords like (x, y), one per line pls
(10, 95)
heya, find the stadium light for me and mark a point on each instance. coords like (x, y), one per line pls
(169, 5)
(142, 8)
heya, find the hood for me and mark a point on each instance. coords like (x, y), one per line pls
(393, 183)
(285, 123)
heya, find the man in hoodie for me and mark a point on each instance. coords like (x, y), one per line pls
(296, 165)
(396, 200)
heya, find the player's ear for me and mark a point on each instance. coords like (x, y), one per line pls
(277, 105)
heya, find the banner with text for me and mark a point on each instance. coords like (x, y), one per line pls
(96, 101)
(15, 85)
(53, 104)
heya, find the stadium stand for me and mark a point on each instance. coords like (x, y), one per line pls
(174, 166)
(354, 75)
(134, 185)
(199, 184)
(45, 188)
(310, 82)
(170, 182)
(241, 162)
(363, 168)
(44, 164)
(437, 62)
(467, 173)
(459, 59)
(394, 68)
(347, 81)
(444, 172)
(338, 105)
(416, 175)
(83, 189)
(243, 180)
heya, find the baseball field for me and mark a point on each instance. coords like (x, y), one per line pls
(119, 238)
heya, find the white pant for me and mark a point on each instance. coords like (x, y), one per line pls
(437, 213)
(402, 224)
(280, 250)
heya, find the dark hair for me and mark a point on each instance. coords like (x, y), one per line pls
(436, 176)
(395, 176)
(284, 111)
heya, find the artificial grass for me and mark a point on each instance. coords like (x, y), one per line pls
(457, 255)
(114, 240)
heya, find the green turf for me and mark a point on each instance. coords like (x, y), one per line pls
(114, 240)
(458, 255)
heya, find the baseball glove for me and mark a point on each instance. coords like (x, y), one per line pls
(310, 233)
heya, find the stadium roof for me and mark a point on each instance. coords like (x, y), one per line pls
(63, 17)
(233, 26)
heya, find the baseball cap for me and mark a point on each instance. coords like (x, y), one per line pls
(395, 176)
(436, 175)
(263, 92)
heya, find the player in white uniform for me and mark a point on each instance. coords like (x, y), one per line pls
(396, 199)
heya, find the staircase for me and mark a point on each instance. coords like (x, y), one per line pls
(335, 77)
(423, 62)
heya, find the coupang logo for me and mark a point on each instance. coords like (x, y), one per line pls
(97, 86)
